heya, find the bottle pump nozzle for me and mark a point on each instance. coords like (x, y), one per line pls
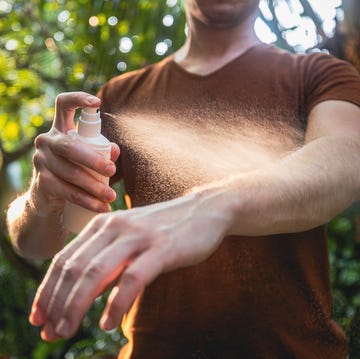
(89, 122)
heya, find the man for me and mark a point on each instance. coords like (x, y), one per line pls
(210, 262)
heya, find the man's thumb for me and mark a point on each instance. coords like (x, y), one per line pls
(65, 105)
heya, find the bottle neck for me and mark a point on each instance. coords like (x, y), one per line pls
(89, 128)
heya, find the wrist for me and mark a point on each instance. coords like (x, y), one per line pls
(239, 201)
(216, 201)
(41, 206)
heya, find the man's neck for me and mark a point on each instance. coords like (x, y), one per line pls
(208, 49)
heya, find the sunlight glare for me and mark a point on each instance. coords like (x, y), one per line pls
(263, 32)
(264, 8)
(298, 30)
(325, 9)
(304, 36)
(286, 17)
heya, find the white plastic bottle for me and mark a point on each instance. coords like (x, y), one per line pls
(89, 128)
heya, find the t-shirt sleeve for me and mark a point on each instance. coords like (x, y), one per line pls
(328, 78)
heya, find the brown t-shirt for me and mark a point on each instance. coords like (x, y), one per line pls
(255, 297)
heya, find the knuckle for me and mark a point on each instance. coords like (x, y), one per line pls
(72, 270)
(72, 99)
(136, 227)
(114, 222)
(44, 178)
(66, 147)
(60, 98)
(75, 174)
(95, 270)
(59, 261)
(40, 140)
(75, 197)
(100, 207)
(133, 278)
(100, 219)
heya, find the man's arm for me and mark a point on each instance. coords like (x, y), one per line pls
(304, 190)
(35, 234)
(307, 188)
(35, 219)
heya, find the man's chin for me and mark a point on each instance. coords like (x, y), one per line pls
(225, 15)
(223, 21)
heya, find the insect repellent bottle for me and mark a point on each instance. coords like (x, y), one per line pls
(89, 128)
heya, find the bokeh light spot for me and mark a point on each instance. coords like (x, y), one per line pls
(112, 20)
(121, 66)
(168, 20)
(161, 48)
(64, 16)
(171, 3)
(93, 21)
(11, 45)
(5, 7)
(59, 36)
(125, 44)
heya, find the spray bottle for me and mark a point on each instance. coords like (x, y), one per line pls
(89, 128)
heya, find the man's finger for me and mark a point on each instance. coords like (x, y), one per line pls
(133, 280)
(102, 270)
(65, 106)
(76, 175)
(115, 152)
(76, 265)
(45, 291)
(81, 153)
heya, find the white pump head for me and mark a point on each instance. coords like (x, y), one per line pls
(89, 122)
(90, 111)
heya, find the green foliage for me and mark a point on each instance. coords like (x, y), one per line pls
(14, 300)
(47, 47)
(20, 339)
(345, 268)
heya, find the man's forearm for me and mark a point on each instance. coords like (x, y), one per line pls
(34, 235)
(304, 190)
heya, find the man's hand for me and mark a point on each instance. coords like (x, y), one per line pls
(34, 219)
(58, 161)
(129, 247)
